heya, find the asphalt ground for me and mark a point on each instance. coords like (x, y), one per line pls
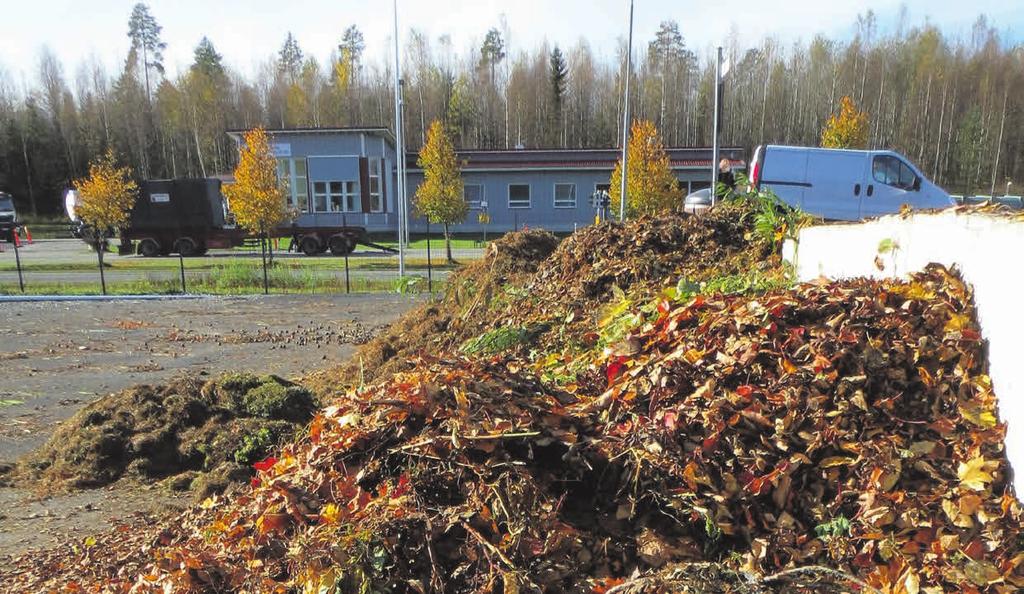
(57, 357)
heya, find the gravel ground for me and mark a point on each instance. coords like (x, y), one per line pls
(57, 357)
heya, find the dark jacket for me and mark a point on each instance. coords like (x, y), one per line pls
(727, 178)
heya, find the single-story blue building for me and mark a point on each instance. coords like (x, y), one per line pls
(348, 176)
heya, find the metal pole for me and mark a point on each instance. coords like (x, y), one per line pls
(181, 266)
(400, 148)
(17, 261)
(625, 118)
(430, 267)
(714, 129)
(348, 288)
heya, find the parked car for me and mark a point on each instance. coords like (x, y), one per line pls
(846, 185)
(698, 201)
(8, 217)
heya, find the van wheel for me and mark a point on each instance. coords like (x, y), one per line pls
(149, 248)
(310, 246)
(186, 246)
(342, 246)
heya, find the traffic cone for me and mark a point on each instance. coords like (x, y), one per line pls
(17, 239)
(28, 235)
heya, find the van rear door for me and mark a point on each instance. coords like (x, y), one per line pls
(836, 181)
(783, 170)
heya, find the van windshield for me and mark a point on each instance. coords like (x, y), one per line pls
(6, 204)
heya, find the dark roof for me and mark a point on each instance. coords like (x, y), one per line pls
(585, 159)
(381, 130)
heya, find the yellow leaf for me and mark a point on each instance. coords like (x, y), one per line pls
(973, 474)
(330, 514)
(835, 461)
(979, 416)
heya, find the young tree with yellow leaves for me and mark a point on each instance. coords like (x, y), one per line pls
(105, 201)
(847, 129)
(256, 197)
(651, 187)
(439, 198)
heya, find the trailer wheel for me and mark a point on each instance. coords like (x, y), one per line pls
(342, 246)
(149, 248)
(186, 246)
(310, 245)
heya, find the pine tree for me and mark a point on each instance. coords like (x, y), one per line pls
(289, 58)
(558, 71)
(651, 187)
(145, 35)
(440, 196)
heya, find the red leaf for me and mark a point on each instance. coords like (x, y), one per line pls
(615, 367)
(265, 464)
(745, 390)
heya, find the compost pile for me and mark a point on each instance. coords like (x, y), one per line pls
(194, 434)
(848, 425)
(530, 284)
(439, 327)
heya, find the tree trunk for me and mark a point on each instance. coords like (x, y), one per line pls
(999, 143)
(448, 245)
(263, 252)
(100, 248)
(28, 173)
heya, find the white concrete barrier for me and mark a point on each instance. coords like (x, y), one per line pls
(988, 250)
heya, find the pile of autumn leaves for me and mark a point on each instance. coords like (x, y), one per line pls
(848, 425)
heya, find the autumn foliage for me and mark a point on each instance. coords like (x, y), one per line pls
(439, 198)
(256, 197)
(651, 187)
(847, 129)
(106, 196)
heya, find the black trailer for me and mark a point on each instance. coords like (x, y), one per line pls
(190, 216)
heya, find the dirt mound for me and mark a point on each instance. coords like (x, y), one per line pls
(441, 326)
(196, 434)
(849, 425)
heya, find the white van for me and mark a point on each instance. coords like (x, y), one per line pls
(844, 185)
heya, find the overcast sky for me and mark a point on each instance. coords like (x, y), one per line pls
(247, 32)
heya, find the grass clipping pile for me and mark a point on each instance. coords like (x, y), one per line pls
(834, 438)
(193, 434)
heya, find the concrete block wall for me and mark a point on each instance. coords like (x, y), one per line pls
(988, 250)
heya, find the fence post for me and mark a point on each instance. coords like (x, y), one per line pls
(348, 289)
(181, 266)
(430, 267)
(17, 260)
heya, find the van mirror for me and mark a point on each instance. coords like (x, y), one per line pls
(917, 184)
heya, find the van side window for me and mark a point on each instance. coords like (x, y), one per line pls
(889, 170)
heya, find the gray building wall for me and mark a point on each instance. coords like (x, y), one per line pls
(333, 155)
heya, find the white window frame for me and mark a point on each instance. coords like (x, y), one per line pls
(529, 197)
(376, 197)
(326, 195)
(597, 189)
(293, 182)
(482, 195)
(565, 204)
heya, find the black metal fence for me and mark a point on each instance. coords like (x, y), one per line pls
(70, 267)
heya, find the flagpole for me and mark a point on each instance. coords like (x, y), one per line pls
(714, 132)
(400, 157)
(625, 119)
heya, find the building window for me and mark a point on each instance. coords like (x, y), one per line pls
(565, 195)
(598, 188)
(473, 194)
(376, 197)
(519, 196)
(336, 196)
(292, 175)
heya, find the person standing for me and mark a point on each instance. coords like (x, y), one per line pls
(726, 180)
